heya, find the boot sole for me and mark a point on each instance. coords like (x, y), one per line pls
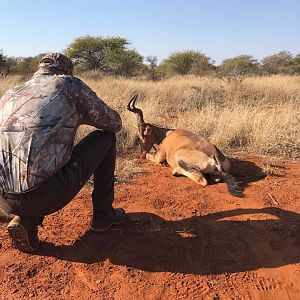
(19, 238)
(97, 229)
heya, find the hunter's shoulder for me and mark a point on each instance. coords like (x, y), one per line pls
(69, 79)
(72, 83)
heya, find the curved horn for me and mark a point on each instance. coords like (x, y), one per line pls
(138, 112)
(131, 103)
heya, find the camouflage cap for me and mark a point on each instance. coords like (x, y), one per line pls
(57, 61)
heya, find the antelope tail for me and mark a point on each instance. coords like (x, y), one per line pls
(233, 187)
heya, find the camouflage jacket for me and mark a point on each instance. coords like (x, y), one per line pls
(38, 123)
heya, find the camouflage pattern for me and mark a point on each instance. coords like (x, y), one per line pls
(38, 122)
(57, 61)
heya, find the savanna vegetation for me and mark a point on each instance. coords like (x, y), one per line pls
(260, 115)
(96, 56)
(241, 104)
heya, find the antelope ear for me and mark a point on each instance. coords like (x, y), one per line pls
(147, 130)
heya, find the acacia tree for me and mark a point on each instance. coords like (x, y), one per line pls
(123, 62)
(89, 52)
(4, 69)
(278, 63)
(152, 67)
(235, 69)
(296, 64)
(189, 61)
(108, 55)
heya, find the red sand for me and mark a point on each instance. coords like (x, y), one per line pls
(181, 241)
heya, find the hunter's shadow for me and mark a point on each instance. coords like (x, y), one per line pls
(207, 244)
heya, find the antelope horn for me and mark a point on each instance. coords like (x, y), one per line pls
(138, 112)
(131, 103)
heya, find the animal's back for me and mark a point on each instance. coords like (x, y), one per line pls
(180, 138)
(176, 139)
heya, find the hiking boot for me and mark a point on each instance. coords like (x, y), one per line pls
(103, 221)
(23, 232)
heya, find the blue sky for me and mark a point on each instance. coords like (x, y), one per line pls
(219, 28)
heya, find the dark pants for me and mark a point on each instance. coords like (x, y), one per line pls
(95, 154)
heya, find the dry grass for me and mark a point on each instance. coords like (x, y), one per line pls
(127, 168)
(9, 82)
(261, 115)
(269, 168)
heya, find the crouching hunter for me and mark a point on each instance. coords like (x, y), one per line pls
(40, 170)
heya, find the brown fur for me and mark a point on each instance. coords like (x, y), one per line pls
(193, 156)
(187, 153)
(185, 150)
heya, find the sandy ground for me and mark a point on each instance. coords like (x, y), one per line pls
(181, 241)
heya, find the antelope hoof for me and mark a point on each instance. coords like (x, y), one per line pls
(202, 181)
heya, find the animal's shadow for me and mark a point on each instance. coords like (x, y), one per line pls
(246, 171)
(210, 244)
(243, 171)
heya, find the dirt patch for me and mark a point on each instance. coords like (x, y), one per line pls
(181, 241)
